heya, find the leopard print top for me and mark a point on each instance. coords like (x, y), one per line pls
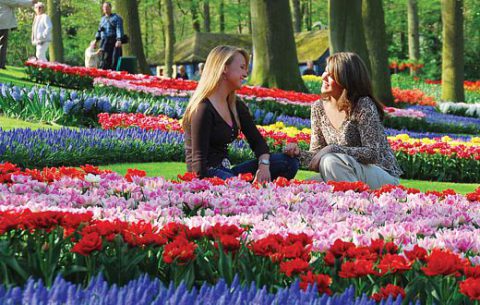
(361, 136)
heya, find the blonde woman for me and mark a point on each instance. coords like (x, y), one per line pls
(41, 31)
(348, 141)
(214, 118)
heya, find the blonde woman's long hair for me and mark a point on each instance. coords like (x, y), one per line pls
(217, 60)
(350, 72)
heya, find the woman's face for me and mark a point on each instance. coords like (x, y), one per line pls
(330, 87)
(39, 10)
(236, 72)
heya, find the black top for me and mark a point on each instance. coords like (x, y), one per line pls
(208, 136)
(309, 72)
(180, 76)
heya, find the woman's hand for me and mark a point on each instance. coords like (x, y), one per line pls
(292, 150)
(263, 174)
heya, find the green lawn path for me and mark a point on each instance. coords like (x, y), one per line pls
(16, 76)
(170, 170)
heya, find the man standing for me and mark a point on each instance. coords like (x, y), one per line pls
(110, 33)
(41, 31)
(8, 22)
(309, 70)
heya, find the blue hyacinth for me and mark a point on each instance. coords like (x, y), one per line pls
(144, 290)
(89, 103)
(68, 106)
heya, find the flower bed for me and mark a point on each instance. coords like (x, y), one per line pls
(461, 109)
(434, 160)
(200, 231)
(146, 291)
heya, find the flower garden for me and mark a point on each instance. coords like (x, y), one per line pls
(70, 230)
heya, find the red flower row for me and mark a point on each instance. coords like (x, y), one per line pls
(124, 120)
(292, 253)
(47, 174)
(443, 148)
(171, 84)
(468, 85)
(414, 97)
(404, 65)
(85, 72)
(51, 174)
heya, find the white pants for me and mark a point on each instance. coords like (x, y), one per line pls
(342, 167)
(42, 49)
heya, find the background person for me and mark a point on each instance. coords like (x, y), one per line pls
(92, 55)
(110, 33)
(8, 21)
(41, 31)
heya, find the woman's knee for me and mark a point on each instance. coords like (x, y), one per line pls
(328, 163)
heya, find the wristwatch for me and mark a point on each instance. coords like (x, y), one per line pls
(264, 161)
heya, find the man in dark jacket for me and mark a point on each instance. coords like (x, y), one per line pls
(110, 33)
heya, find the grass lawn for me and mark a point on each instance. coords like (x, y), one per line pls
(170, 170)
(16, 76)
(9, 123)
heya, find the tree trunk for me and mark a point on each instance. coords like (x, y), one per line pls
(128, 10)
(147, 32)
(275, 62)
(296, 15)
(206, 15)
(221, 14)
(452, 51)
(239, 22)
(194, 13)
(413, 35)
(249, 21)
(56, 46)
(307, 14)
(346, 28)
(374, 26)
(169, 29)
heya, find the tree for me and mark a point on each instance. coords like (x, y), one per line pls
(307, 13)
(239, 16)
(296, 15)
(206, 15)
(169, 35)
(346, 28)
(413, 34)
(56, 46)
(452, 51)
(194, 13)
(275, 62)
(374, 26)
(128, 10)
(221, 16)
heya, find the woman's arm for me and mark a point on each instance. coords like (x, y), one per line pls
(201, 126)
(255, 139)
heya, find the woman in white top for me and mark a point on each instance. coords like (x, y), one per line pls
(41, 31)
(92, 55)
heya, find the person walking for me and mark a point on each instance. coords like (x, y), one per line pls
(110, 33)
(8, 21)
(41, 31)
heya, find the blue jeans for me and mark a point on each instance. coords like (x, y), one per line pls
(281, 165)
